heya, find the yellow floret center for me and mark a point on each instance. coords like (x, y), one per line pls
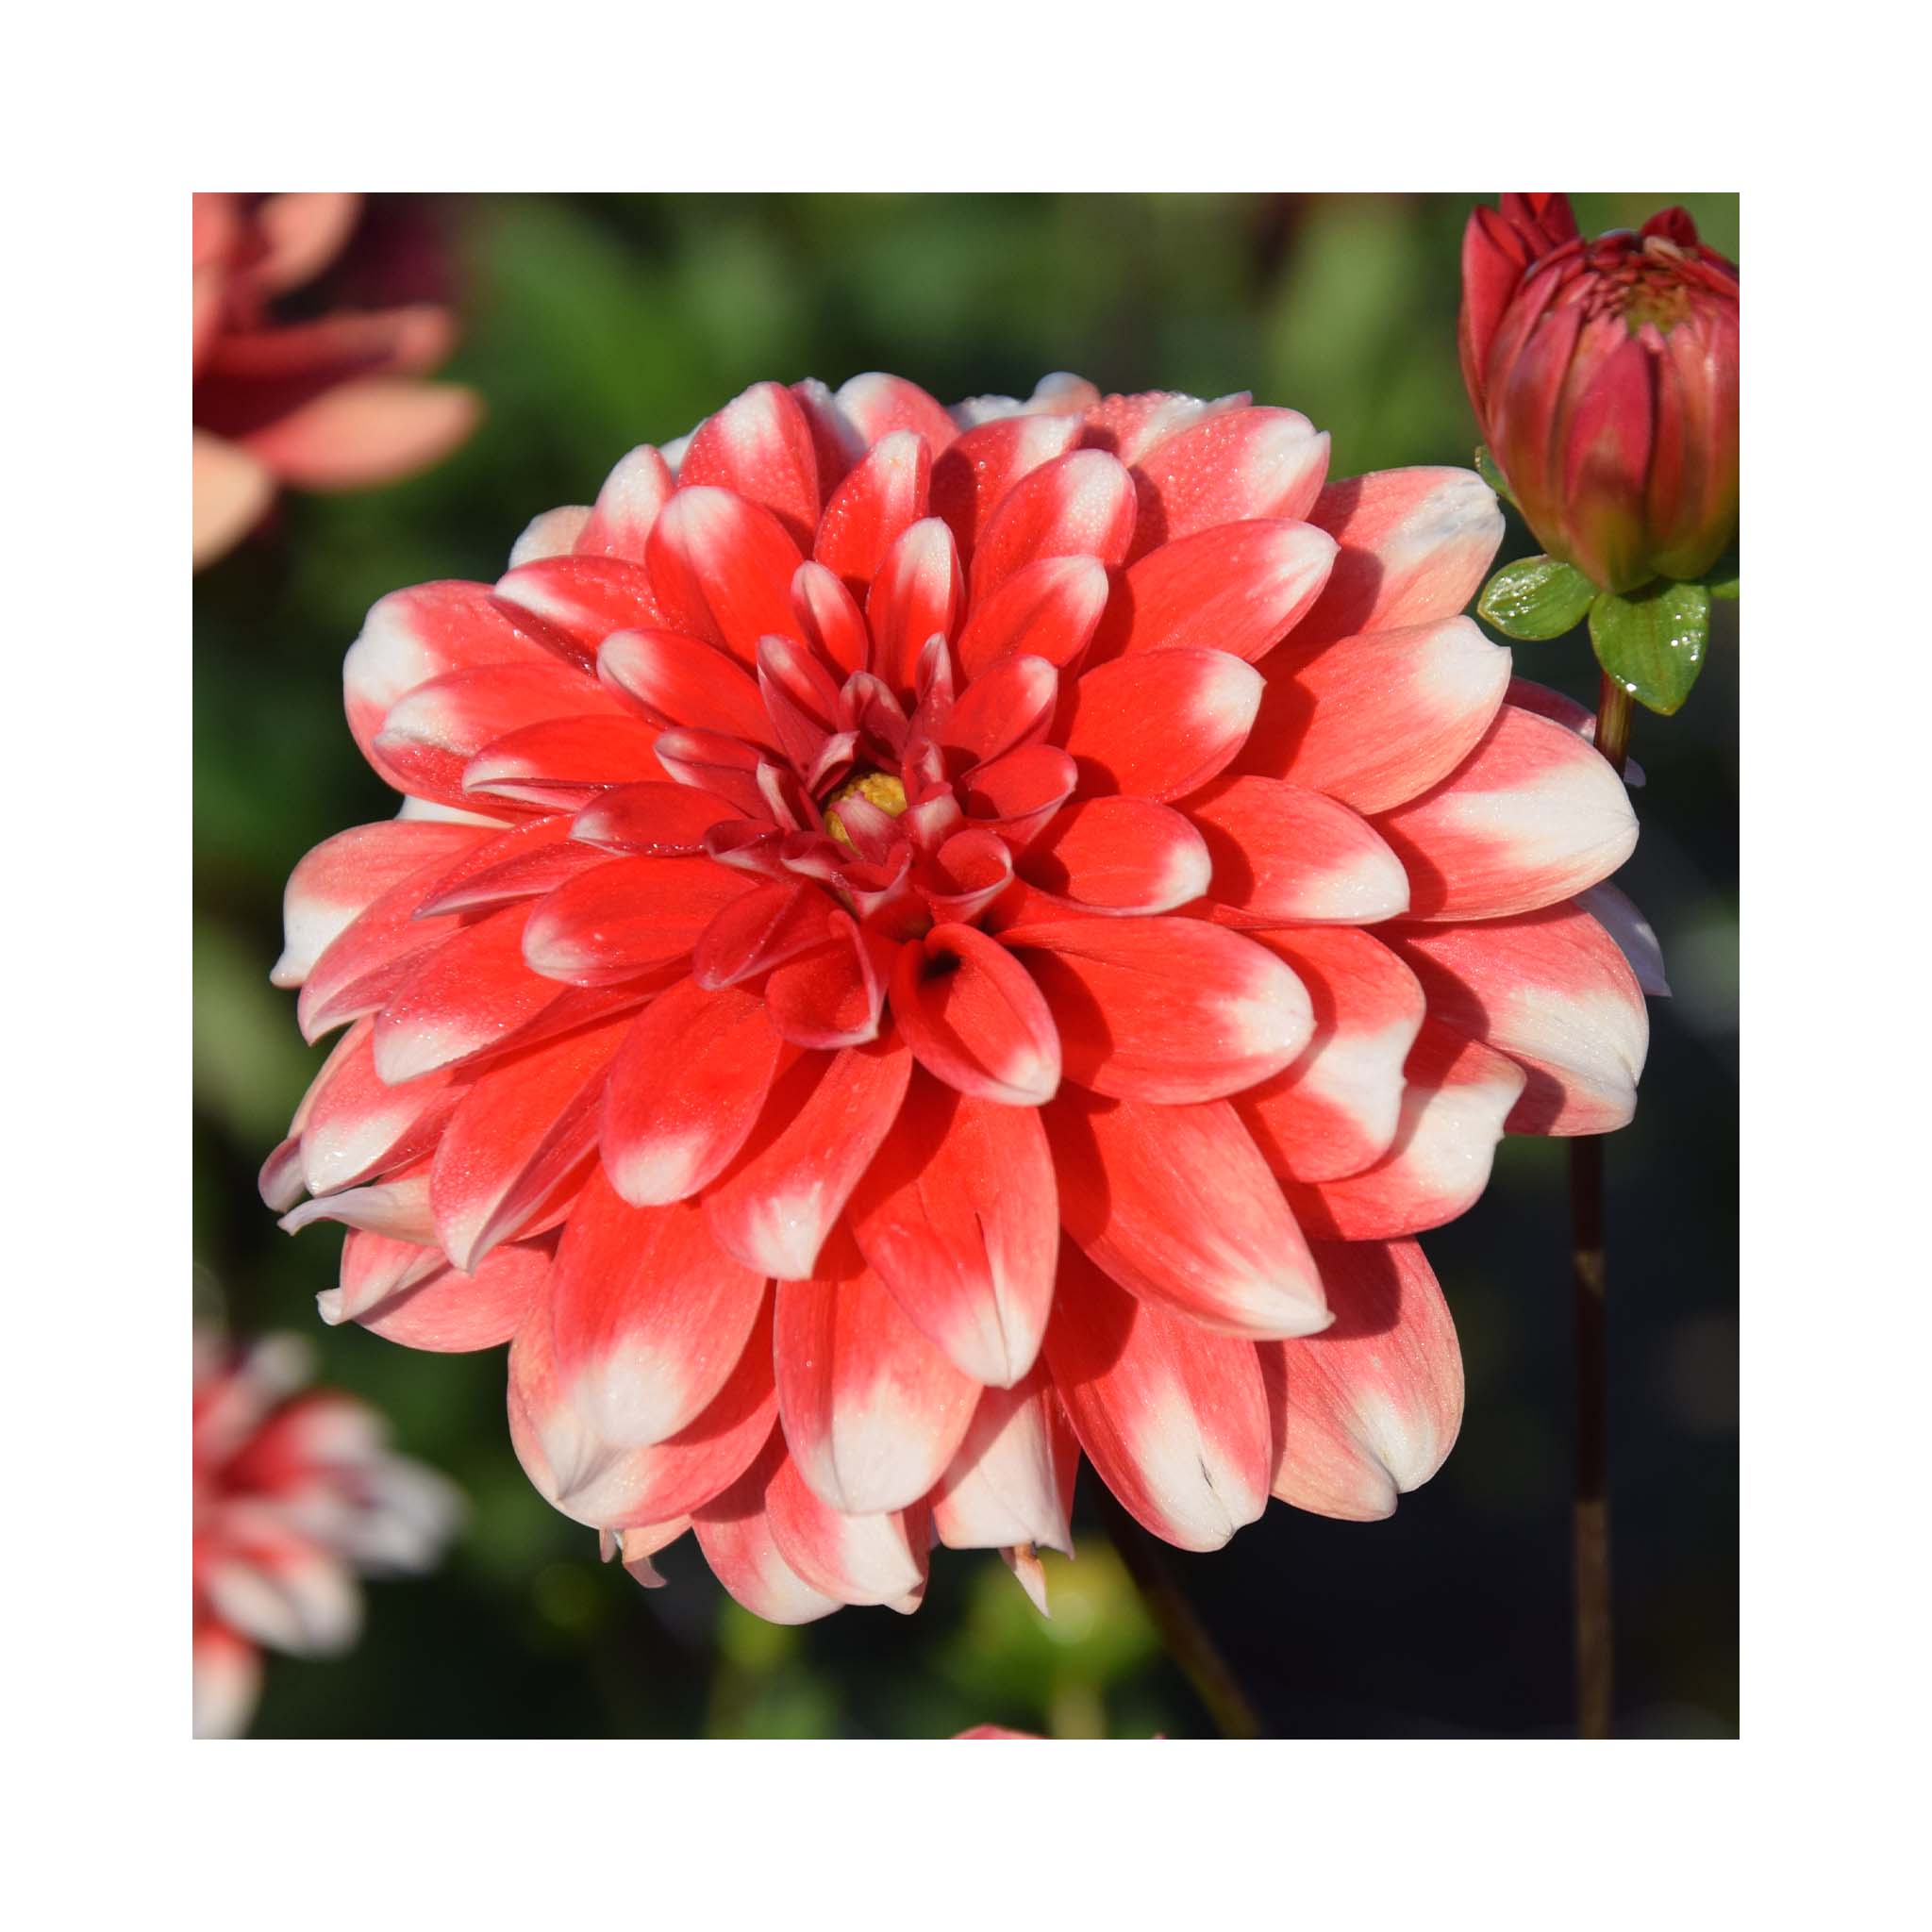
(879, 789)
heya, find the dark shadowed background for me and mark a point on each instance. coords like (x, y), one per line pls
(593, 324)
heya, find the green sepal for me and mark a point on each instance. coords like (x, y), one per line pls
(1651, 641)
(1491, 474)
(1536, 599)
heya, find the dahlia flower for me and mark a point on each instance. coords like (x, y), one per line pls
(331, 404)
(295, 1494)
(1605, 377)
(921, 944)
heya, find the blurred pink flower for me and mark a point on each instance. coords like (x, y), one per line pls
(1059, 888)
(294, 1495)
(329, 403)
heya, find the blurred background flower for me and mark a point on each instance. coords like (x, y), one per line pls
(594, 322)
(295, 1495)
(289, 394)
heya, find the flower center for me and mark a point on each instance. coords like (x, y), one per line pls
(876, 788)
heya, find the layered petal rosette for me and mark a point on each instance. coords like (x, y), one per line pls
(296, 1494)
(924, 944)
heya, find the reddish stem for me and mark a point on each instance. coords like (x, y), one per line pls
(1590, 1508)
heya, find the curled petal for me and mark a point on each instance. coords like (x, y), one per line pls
(1162, 723)
(1457, 1096)
(1370, 1409)
(824, 1122)
(1174, 1419)
(1533, 815)
(873, 1410)
(1131, 1180)
(1552, 990)
(1334, 1111)
(973, 1017)
(958, 1216)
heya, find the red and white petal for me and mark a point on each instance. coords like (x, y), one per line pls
(1375, 719)
(363, 966)
(1005, 709)
(1227, 468)
(610, 1487)
(534, 858)
(471, 993)
(918, 593)
(769, 926)
(734, 1530)
(723, 568)
(876, 404)
(881, 497)
(628, 505)
(1282, 852)
(357, 1124)
(522, 1136)
(972, 477)
(958, 1215)
(1533, 815)
(682, 681)
(759, 445)
(1635, 936)
(873, 1410)
(1457, 1096)
(662, 820)
(685, 1091)
(1048, 609)
(1164, 1009)
(397, 1206)
(973, 1016)
(877, 1556)
(1369, 1409)
(1335, 1110)
(340, 879)
(1414, 546)
(1173, 1418)
(1530, 696)
(823, 1123)
(583, 599)
(1551, 990)
(449, 1312)
(628, 917)
(412, 635)
(1238, 588)
(1133, 1181)
(648, 1315)
(1162, 723)
(375, 1267)
(1011, 1483)
(431, 735)
(550, 533)
(835, 996)
(1078, 505)
(562, 763)
(1119, 856)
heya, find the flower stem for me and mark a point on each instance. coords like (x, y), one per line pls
(1591, 1507)
(1187, 1639)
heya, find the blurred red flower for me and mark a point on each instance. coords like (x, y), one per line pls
(1056, 888)
(294, 1495)
(329, 403)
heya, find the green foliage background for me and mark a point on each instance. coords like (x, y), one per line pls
(592, 324)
